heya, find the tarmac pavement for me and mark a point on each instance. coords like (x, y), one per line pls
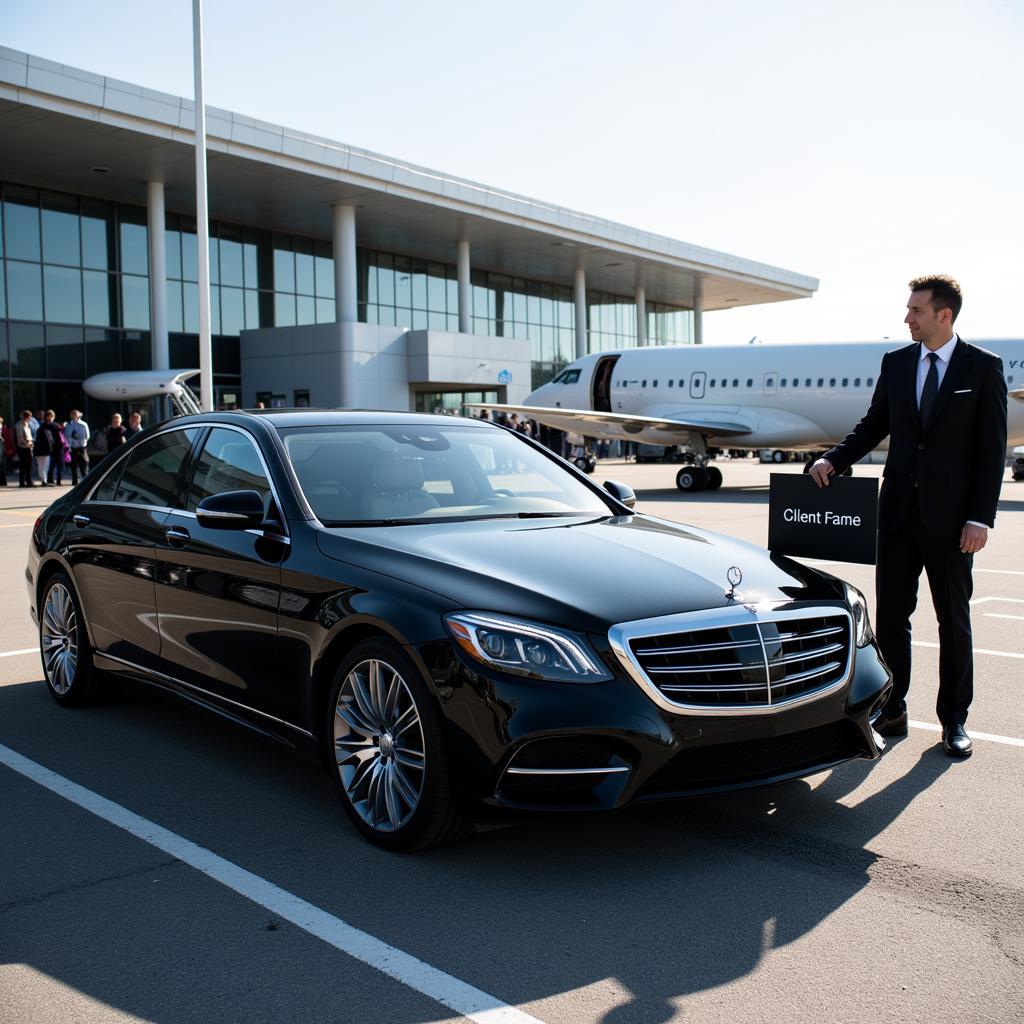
(879, 891)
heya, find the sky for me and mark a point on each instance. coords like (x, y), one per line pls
(859, 143)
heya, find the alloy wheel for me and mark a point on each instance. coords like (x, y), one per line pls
(379, 746)
(58, 638)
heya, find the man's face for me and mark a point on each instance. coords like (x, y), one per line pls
(76, 415)
(116, 419)
(926, 325)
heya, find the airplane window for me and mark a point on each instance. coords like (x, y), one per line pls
(871, 381)
(571, 376)
(856, 382)
(832, 382)
(643, 384)
(735, 383)
(671, 382)
(654, 384)
(750, 382)
(782, 383)
(711, 382)
(796, 382)
(771, 383)
(680, 383)
(807, 383)
(821, 382)
(846, 382)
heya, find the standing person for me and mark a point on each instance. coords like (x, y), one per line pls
(43, 451)
(134, 425)
(76, 430)
(7, 450)
(58, 446)
(115, 434)
(942, 404)
(24, 441)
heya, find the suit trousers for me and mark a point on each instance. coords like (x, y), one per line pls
(902, 554)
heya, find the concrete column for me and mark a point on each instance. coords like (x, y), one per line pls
(698, 311)
(346, 309)
(641, 317)
(465, 289)
(157, 223)
(581, 313)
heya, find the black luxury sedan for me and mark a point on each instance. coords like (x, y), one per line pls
(452, 618)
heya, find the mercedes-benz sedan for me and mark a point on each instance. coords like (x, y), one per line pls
(449, 616)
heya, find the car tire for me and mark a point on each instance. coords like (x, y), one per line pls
(64, 646)
(714, 478)
(394, 785)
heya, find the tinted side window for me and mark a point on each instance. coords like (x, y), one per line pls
(108, 488)
(153, 468)
(229, 462)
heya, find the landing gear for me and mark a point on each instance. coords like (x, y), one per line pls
(694, 478)
(714, 478)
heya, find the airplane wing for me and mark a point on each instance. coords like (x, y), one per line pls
(613, 424)
(1017, 393)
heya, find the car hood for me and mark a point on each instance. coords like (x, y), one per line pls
(585, 573)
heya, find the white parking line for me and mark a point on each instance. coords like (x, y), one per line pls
(443, 988)
(1002, 572)
(24, 650)
(977, 650)
(991, 737)
(996, 615)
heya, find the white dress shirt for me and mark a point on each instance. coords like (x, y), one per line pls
(944, 352)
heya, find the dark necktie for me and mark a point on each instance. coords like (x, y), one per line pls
(930, 390)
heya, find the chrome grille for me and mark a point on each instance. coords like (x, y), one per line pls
(735, 661)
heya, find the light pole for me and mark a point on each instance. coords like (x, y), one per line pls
(202, 218)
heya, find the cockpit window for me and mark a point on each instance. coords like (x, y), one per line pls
(567, 377)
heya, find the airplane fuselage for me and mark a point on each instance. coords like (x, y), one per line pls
(793, 397)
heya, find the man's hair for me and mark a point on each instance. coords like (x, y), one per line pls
(945, 292)
(26, 412)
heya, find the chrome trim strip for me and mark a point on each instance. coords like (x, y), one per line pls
(767, 667)
(622, 634)
(819, 652)
(786, 637)
(810, 674)
(214, 514)
(702, 648)
(685, 669)
(713, 688)
(214, 697)
(567, 771)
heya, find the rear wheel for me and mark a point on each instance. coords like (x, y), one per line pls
(390, 761)
(64, 646)
(714, 478)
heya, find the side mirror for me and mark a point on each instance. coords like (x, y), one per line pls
(231, 510)
(621, 492)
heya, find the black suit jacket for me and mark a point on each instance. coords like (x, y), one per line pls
(957, 463)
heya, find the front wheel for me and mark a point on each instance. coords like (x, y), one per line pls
(64, 645)
(390, 760)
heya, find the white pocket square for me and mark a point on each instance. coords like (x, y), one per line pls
(964, 391)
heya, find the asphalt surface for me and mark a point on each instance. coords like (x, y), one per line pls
(876, 892)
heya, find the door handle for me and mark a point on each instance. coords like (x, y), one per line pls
(177, 536)
(81, 521)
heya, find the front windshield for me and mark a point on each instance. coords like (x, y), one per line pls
(382, 473)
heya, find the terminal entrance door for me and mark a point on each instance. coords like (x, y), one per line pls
(451, 402)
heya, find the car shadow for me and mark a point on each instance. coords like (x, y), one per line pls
(669, 900)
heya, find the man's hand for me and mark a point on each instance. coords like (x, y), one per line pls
(821, 471)
(973, 538)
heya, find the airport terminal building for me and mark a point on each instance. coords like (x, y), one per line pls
(338, 276)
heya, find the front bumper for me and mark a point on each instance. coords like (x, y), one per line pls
(526, 745)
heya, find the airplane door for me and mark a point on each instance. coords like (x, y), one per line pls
(771, 381)
(698, 381)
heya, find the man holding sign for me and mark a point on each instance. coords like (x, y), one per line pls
(942, 404)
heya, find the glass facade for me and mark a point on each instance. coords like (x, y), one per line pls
(74, 298)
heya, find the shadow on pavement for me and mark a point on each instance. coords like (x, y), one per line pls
(668, 899)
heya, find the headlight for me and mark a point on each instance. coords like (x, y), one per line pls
(526, 648)
(859, 608)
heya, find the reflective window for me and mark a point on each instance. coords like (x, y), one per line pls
(21, 223)
(99, 292)
(24, 291)
(28, 356)
(232, 310)
(229, 462)
(134, 245)
(60, 230)
(231, 257)
(135, 301)
(65, 353)
(151, 475)
(62, 287)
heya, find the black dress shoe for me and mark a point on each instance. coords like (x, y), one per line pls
(891, 725)
(956, 741)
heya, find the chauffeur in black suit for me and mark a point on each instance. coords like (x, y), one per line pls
(942, 403)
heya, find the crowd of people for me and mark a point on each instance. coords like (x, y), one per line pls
(43, 448)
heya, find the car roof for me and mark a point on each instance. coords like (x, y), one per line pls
(282, 418)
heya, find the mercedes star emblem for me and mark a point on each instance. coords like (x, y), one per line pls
(735, 578)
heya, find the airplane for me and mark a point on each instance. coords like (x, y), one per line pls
(782, 397)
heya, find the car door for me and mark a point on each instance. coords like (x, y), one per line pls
(112, 546)
(217, 591)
